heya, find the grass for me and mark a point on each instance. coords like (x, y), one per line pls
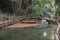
(32, 33)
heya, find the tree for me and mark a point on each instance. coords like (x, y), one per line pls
(43, 6)
(5, 5)
(57, 2)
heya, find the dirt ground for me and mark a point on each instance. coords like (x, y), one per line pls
(18, 25)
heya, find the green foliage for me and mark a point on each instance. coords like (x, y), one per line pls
(43, 6)
(38, 7)
(57, 7)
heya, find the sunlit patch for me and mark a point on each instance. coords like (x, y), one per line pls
(45, 34)
(43, 21)
(52, 37)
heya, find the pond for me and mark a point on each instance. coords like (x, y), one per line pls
(40, 32)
